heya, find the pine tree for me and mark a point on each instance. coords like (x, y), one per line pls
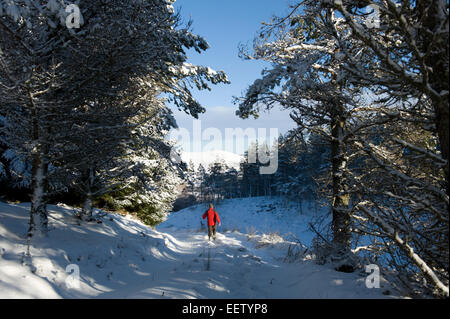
(316, 92)
(48, 71)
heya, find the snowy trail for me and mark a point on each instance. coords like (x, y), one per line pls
(200, 269)
(123, 258)
(233, 268)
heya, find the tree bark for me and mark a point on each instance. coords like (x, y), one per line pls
(38, 211)
(442, 124)
(340, 203)
(431, 17)
(86, 212)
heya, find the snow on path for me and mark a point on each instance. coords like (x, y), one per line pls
(122, 258)
(233, 267)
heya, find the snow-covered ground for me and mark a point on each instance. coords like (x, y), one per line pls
(253, 257)
(258, 215)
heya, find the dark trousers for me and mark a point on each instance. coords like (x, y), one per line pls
(212, 231)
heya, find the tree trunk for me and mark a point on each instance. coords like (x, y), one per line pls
(38, 211)
(442, 119)
(340, 204)
(438, 78)
(86, 212)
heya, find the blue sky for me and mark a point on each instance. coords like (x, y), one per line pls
(225, 25)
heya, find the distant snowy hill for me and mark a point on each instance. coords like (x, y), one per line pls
(210, 157)
(256, 255)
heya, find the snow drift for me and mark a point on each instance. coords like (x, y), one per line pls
(119, 257)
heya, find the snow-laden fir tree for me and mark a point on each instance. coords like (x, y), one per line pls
(405, 55)
(48, 70)
(307, 78)
(371, 93)
(404, 60)
(104, 139)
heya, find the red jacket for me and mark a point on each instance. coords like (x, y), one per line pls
(212, 217)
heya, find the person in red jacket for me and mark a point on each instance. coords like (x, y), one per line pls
(213, 219)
